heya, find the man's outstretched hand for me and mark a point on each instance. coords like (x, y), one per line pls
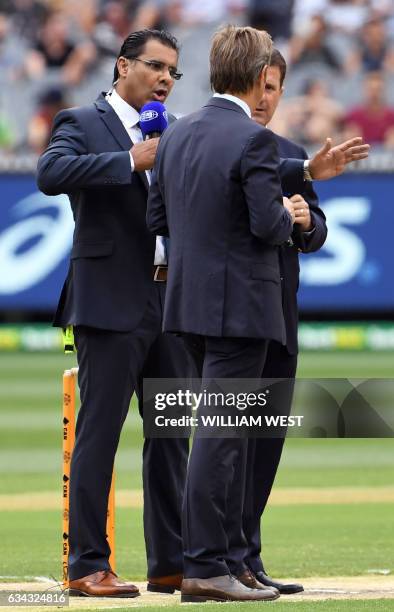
(331, 161)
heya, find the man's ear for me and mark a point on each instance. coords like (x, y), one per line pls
(122, 65)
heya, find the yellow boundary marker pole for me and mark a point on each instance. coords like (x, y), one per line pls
(68, 445)
(111, 522)
(69, 386)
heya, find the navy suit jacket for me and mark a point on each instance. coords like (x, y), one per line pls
(110, 272)
(216, 192)
(288, 255)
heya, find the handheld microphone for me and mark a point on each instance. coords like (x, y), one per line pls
(153, 120)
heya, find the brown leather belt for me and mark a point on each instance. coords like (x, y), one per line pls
(160, 274)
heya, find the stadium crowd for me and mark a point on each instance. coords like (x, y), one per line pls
(340, 54)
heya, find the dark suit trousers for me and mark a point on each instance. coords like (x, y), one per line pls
(213, 463)
(111, 367)
(263, 457)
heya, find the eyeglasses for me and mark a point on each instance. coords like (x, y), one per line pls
(157, 66)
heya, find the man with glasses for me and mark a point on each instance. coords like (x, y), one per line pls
(113, 296)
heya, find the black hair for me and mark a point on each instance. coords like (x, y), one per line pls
(135, 42)
(279, 61)
(51, 95)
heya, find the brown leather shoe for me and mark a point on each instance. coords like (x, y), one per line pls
(249, 580)
(221, 588)
(102, 584)
(165, 584)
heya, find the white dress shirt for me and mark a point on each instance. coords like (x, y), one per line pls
(130, 117)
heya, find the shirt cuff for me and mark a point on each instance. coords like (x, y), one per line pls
(307, 172)
(131, 162)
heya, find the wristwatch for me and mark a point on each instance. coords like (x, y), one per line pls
(307, 172)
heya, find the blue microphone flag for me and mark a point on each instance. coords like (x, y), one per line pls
(153, 118)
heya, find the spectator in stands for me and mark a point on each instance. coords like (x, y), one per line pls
(153, 14)
(113, 27)
(198, 12)
(39, 129)
(313, 47)
(313, 116)
(346, 16)
(304, 11)
(374, 50)
(82, 16)
(11, 50)
(27, 17)
(55, 49)
(374, 119)
(274, 17)
(118, 18)
(193, 22)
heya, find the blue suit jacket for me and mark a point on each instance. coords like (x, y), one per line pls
(110, 272)
(288, 255)
(216, 192)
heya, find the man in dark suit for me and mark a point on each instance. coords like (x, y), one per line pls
(212, 295)
(224, 277)
(309, 234)
(114, 296)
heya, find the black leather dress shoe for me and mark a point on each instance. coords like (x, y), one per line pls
(222, 588)
(284, 589)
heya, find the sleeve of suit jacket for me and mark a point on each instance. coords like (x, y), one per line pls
(292, 175)
(66, 165)
(308, 243)
(269, 220)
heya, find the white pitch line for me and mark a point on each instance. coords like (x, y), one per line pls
(31, 578)
(337, 591)
(347, 592)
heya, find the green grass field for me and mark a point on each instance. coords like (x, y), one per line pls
(303, 539)
(378, 605)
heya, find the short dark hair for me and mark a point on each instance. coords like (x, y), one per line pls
(279, 61)
(238, 56)
(135, 42)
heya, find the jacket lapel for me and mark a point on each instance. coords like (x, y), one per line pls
(117, 129)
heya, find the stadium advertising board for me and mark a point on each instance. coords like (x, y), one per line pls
(352, 272)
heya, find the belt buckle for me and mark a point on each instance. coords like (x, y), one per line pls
(157, 272)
